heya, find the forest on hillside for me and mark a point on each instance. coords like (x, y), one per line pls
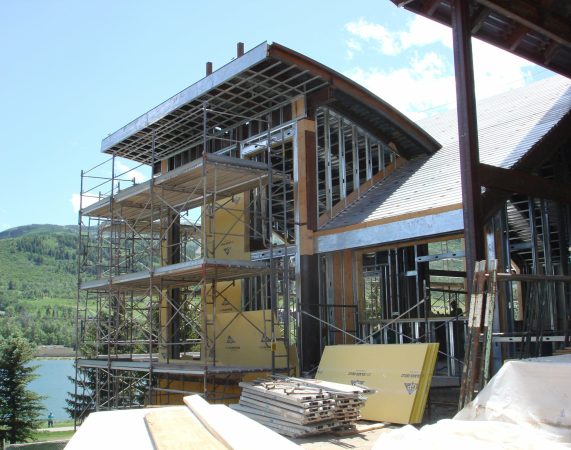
(38, 283)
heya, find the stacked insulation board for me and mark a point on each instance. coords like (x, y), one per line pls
(295, 407)
(399, 373)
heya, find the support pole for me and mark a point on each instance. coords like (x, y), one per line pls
(468, 135)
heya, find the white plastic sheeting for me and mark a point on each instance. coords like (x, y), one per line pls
(468, 435)
(533, 392)
(526, 405)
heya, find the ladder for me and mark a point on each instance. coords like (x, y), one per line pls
(476, 370)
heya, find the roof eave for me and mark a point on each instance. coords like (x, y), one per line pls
(218, 77)
(348, 86)
(414, 134)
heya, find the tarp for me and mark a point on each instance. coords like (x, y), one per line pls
(533, 392)
(526, 405)
(468, 435)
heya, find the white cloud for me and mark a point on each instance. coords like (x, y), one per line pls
(421, 80)
(125, 172)
(408, 89)
(353, 46)
(387, 41)
(497, 70)
(422, 32)
(419, 33)
(76, 199)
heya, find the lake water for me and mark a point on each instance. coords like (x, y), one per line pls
(53, 383)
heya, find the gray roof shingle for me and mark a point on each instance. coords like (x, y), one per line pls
(510, 124)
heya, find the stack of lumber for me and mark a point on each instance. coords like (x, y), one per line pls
(296, 407)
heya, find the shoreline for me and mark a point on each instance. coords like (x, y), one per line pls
(54, 352)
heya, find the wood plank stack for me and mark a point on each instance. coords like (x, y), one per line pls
(297, 407)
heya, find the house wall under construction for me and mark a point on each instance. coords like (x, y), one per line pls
(286, 208)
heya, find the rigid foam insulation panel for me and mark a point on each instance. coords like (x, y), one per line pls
(400, 374)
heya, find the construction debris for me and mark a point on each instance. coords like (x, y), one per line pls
(297, 407)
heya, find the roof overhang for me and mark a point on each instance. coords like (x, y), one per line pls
(539, 31)
(248, 88)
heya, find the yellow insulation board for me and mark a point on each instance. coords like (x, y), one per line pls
(400, 373)
(244, 339)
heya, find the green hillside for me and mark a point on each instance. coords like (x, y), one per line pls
(38, 282)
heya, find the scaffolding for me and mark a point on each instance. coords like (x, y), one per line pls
(168, 265)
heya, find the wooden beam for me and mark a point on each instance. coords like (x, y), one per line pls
(532, 16)
(516, 37)
(467, 133)
(547, 146)
(357, 193)
(478, 19)
(429, 7)
(516, 181)
(550, 52)
(542, 151)
(177, 427)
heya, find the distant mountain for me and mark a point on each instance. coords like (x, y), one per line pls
(36, 229)
(38, 282)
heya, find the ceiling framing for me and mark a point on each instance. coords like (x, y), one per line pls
(538, 30)
(248, 88)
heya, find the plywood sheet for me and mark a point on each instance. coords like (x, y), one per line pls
(400, 373)
(178, 428)
(234, 429)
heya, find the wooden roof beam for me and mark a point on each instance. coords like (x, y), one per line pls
(429, 7)
(547, 146)
(516, 37)
(530, 15)
(478, 19)
(550, 52)
(517, 181)
(543, 150)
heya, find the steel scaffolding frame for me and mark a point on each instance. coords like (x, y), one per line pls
(152, 263)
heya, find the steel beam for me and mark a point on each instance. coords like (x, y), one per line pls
(417, 228)
(468, 133)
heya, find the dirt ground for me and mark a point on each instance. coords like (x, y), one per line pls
(442, 404)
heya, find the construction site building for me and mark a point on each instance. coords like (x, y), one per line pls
(286, 208)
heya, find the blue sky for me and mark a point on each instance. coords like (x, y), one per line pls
(71, 72)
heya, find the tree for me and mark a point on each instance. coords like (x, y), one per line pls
(19, 407)
(81, 403)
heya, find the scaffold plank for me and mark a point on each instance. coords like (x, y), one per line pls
(180, 274)
(183, 188)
